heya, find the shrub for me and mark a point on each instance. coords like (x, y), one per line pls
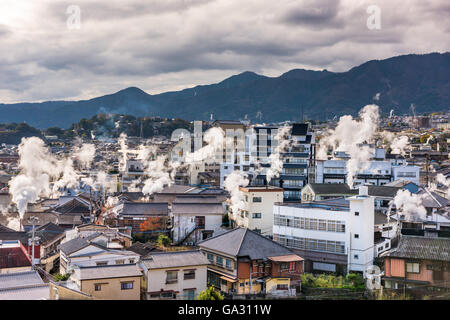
(163, 240)
(210, 294)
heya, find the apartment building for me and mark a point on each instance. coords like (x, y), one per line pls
(258, 212)
(260, 143)
(335, 235)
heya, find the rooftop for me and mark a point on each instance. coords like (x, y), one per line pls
(241, 242)
(416, 247)
(110, 271)
(158, 260)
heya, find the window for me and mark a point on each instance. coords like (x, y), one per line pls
(189, 294)
(292, 266)
(126, 285)
(257, 199)
(412, 267)
(98, 287)
(256, 215)
(210, 257)
(102, 263)
(172, 277)
(323, 225)
(219, 261)
(282, 287)
(356, 213)
(228, 264)
(120, 261)
(284, 266)
(356, 256)
(189, 274)
(356, 236)
(168, 295)
(131, 260)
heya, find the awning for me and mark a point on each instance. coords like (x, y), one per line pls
(228, 279)
(286, 258)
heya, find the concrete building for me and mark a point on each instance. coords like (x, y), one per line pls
(334, 235)
(258, 212)
(178, 275)
(113, 282)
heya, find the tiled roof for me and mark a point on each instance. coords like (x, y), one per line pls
(331, 188)
(111, 271)
(48, 232)
(146, 209)
(31, 292)
(73, 206)
(74, 245)
(175, 259)
(19, 279)
(241, 242)
(197, 208)
(382, 191)
(143, 249)
(415, 247)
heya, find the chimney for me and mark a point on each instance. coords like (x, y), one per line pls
(363, 190)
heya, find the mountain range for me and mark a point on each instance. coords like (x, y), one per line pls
(396, 83)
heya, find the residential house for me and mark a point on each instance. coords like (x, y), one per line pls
(245, 262)
(90, 251)
(195, 221)
(133, 214)
(108, 282)
(177, 275)
(418, 262)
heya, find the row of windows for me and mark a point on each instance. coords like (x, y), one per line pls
(310, 244)
(309, 224)
(219, 261)
(172, 276)
(123, 286)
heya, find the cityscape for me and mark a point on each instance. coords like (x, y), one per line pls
(314, 184)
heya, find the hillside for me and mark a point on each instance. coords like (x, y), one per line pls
(422, 80)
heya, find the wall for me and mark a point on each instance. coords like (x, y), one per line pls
(111, 289)
(156, 280)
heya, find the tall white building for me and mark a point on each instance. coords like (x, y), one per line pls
(334, 235)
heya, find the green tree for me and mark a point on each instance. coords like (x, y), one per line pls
(163, 240)
(210, 294)
(61, 277)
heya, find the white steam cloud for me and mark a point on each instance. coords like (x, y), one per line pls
(232, 183)
(349, 136)
(276, 163)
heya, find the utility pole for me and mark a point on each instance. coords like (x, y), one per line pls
(33, 219)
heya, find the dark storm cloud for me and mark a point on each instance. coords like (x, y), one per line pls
(315, 13)
(161, 45)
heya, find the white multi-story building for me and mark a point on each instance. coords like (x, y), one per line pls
(257, 214)
(334, 235)
(376, 172)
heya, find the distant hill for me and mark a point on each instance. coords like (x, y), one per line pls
(422, 80)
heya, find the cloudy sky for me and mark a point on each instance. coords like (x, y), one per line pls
(164, 45)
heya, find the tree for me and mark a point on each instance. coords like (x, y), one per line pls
(163, 240)
(151, 224)
(210, 294)
(424, 138)
(61, 277)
